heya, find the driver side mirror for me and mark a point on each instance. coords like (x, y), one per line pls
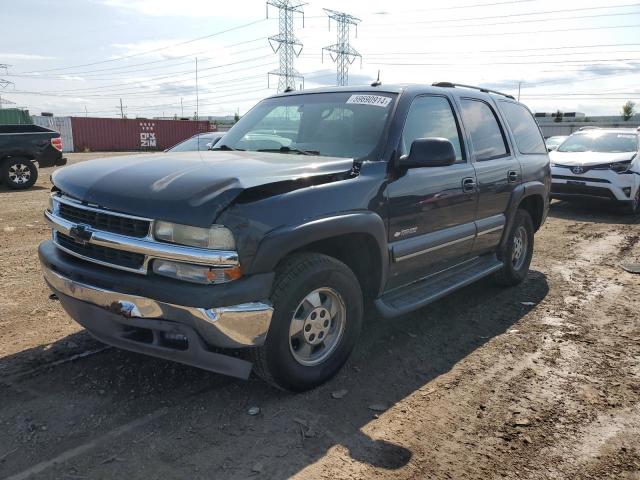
(429, 152)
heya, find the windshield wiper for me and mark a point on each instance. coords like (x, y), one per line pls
(228, 148)
(284, 149)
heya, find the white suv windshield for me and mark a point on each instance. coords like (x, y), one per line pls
(328, 124)
(601, 142)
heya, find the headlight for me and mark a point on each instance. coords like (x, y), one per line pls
(52, 203)
(195, 273)
(217, 237)
(620, 167)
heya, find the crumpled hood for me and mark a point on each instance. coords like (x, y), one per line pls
(185, 187)
(585, 159)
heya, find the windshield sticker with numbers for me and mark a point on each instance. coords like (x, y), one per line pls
(377, 100)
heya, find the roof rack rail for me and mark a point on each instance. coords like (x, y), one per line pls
(485, 90)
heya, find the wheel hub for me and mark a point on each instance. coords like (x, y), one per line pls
(317, 325)
(19, 173)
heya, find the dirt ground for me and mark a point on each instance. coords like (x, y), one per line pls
(538, 381)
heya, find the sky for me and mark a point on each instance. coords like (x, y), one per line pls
(81, 57)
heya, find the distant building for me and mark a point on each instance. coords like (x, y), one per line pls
(572, 121)
(221, 119)
(552, 116)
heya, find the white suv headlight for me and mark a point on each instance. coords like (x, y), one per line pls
(216, 237)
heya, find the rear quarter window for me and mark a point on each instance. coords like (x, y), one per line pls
(484, 129)
(525, 130)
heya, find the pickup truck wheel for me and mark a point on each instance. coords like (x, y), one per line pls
(517, 252)
(19, 173)
(317, 317)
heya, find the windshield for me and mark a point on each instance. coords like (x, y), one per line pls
(601, 142)
(194, 144)
(329, 124)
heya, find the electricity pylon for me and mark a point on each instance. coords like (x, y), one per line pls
(342, 53)
(285, 43)
(3, 82)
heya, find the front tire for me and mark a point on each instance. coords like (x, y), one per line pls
(517, 252)
(19, 173)
(318, 309)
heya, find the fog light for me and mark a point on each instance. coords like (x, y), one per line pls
(196, 273)
(627, 191)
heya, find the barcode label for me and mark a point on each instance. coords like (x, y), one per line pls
(377, 100)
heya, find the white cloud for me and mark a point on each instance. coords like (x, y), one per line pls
(189, 8)
(24, 56)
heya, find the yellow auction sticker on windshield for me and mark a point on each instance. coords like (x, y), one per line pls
(377, 100)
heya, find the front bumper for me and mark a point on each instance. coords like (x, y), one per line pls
(186, 334)
(594, 183)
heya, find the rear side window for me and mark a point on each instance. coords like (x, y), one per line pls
(524, 128)
(484, 129)
(430, 117)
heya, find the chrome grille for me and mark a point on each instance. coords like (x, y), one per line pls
(108, 222)
(111, 256)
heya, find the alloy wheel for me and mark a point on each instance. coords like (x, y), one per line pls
(317, 326)
(19, 173)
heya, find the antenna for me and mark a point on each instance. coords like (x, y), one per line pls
(286, 43)
(377, 83)
(342, 53)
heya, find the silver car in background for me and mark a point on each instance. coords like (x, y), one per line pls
(553, 143)
(197, 143)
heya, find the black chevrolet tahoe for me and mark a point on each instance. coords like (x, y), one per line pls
(263, 253)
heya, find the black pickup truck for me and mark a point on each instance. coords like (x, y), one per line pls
(263, 253)
(21, 146)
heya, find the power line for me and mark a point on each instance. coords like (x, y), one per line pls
(527, 32)
(341, 52)
(238, 27)
(172, 75)
(519, 22)
(561, 62)
(537, 49)
(456, 7)
(493, 17)
(121, 69)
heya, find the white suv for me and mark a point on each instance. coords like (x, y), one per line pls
(599, 163)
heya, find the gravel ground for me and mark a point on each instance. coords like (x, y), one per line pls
(538, 381)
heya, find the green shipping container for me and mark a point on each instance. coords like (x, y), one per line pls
(14, 116)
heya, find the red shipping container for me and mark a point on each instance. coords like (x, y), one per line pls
(116, 134)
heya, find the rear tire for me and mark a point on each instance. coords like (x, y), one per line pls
(517, 251)
(19, 173)
(318, 309)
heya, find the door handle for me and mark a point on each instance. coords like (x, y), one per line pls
(469, 184)
(512, 176)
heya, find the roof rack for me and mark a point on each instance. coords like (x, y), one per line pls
(485, 90)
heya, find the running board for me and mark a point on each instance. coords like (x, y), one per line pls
(418, 294)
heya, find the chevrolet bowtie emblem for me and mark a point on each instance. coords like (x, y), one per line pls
(81, 233)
